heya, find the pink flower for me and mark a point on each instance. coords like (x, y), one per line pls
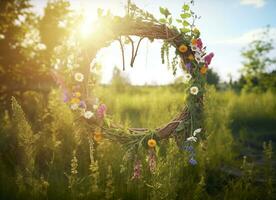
(137, 171)
(208, 58)
(152, 160)
(199, 43)
(101, 111)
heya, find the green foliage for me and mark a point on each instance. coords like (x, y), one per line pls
(257, 61)
(62, 156)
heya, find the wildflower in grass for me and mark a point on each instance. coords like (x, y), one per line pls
(65, 96)
(196, 131)
(152, 143)
(77, 94)
(152, 160)
(74, 106)
(187, 78)
(75, 100)
(82, 104)
(208, 59)
(194, 90)
(182, 48)
(192, 161)
(203, 70)
(137, 171)
(79, 77)
(97, 136)
(88, 114)
(192, 139)
(101, 111)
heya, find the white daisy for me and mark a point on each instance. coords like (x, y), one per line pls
(194, 48)
(194, 90)
(95, 107)
(196, 131)
(187, 77)
(198, 57)
(192, 139)
(88, 114)
(74, 106)
(79, 77)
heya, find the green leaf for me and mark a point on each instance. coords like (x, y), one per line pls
(170, 20)
(186, 7)
(185, 15)
(185, 23)
(162, 10)
(185, 30)
(178, 20)
(163, 20)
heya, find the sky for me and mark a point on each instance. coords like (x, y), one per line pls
(226, 27)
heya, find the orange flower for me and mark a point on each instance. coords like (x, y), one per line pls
(182, 48)
(191, 57)
(203, 70)
(97, 136)
(151, 143)
(194, 41)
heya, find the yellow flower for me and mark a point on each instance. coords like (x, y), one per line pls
(75, 101)
(77, 94)
(203, 70)
(182, 48)
(151, 143)
(97, 136)
(191, 57)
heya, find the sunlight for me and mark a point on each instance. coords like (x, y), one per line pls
(87, 24)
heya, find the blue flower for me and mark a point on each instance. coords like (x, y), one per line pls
(192, 161)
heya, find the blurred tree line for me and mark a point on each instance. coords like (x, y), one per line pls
(27, 44)
(259, 72)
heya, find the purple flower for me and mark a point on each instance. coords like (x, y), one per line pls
(189, 66)
(192, 161)
(101, 111)
(208, 58)
(66, 96)
(82, 104)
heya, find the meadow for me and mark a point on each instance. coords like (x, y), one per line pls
(45, 154)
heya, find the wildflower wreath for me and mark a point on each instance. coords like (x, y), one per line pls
(190, 55)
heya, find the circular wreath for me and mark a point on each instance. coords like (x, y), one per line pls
(190, 54)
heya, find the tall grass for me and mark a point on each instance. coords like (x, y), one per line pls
(46, 155)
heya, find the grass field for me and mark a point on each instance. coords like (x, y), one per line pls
(40, 153)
